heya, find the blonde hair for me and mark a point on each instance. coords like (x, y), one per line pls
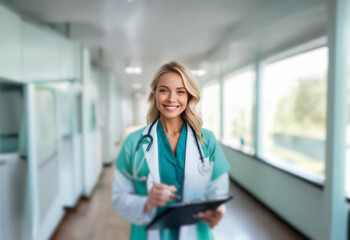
(191, 115)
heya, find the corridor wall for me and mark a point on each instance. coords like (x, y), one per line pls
(109, 113)
(92, 148)
(69, 141)
(39, 59)
(294, 200)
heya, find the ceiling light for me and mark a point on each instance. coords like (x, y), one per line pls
(136, 86)
(199, 72)
(133, 70)
(137, 95)
(63, 86)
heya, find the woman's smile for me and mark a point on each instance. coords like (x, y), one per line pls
(170, 108)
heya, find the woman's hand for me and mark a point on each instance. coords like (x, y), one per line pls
(211, 217)
(159, 195)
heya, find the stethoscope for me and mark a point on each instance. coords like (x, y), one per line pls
(203, 167)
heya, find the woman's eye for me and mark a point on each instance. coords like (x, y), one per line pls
(181, 92)
(162, 90)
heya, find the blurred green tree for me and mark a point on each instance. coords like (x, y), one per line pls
(303, 111)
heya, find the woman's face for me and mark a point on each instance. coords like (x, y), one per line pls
(171, 95)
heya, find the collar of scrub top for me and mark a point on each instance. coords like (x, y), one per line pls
(203, 167)
(149, 136)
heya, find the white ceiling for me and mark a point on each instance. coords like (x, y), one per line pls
(147, 33)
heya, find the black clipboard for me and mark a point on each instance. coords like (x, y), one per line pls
(182, 214)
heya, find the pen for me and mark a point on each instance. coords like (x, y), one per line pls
(178, 197)
(168, 192)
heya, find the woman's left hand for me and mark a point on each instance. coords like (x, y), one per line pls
(211, 217)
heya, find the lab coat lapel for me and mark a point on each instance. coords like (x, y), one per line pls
(194, 182)
(152, 155)
(153, 166)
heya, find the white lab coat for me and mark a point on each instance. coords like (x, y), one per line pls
(128, 204)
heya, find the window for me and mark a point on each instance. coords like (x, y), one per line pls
(239, 99)
(294, 113)
(211, 108)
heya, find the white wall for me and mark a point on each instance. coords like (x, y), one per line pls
(117, 116)
(141, 109)
(92, 148)
(127, 110)
(298, 202)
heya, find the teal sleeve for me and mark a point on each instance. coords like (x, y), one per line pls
(216, 155)
(123, 161)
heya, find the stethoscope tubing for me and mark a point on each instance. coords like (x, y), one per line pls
(202, 166)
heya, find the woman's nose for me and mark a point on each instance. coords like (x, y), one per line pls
(171, 97)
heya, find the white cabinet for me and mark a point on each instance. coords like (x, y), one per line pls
(47, 56)
(12, 186)
(29, 52)
(77, 61)
(67, 63)
(10, 45)
(40, 54)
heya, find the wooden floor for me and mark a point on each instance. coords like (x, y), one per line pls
(94, 218)
(247, 219)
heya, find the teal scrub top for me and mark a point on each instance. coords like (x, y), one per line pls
(171, 169)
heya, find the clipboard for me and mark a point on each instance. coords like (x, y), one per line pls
(182, 214)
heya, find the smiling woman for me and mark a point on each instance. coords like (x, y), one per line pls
(147, 182)
(179, 77)
(171, 95)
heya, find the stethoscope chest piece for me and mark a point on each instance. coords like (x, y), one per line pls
(203, 168)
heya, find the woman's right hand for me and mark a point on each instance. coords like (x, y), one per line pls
(159, 195)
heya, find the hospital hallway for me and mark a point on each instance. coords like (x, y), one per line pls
(264, 85)
(94, 218)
